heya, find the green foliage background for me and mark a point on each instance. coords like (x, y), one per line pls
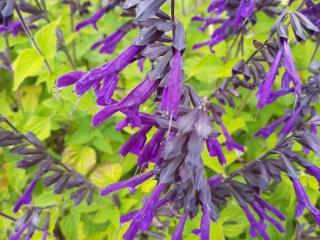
(29, 99)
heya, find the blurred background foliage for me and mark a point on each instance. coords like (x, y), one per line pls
(29, 99)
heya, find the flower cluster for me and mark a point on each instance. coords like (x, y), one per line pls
(239, 15)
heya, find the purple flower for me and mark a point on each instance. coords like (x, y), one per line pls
(134, 99)
(303, 201)
(207, 21)
(265, 205)
(265, 88)
(14, 27)
(175, 80)
(110, 42)
(128, 217)
(26, 197)
(215, 181)
(231, 144)
(205, 223)
(151, 149)
(269, 129)
(131, 183)
(19, 232)
(69, 79)
(215, 150)
(105, 93)
(143, 218)
(314, 171)
(136, 141)
(245, 10)
(289, 66)
(255, 227)
(290, 122)
(178, 232)
(263, 216)
(94, 76)
(97, 15)
(141, 64)
(218, 5)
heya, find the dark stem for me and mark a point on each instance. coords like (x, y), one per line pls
(8, 217)
(172, 17)
(77, 5)
(316, 49)
(31, 38)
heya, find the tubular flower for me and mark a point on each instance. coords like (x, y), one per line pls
(231, 144)
(215, 150)
(108, 44)
(303, 201)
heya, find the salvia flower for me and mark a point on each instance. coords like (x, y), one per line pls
(215, 150)
(131, 183)
(230, 143)
(6, 11)
(303, 201)
(314, 171)
(269, 129)
(265, 88)
(108, 44)
(143, 218)
(290, 67)
(97, 15)
(205, 223)
(178, 232)
(256, 228)
(134, 99)
(26, 197)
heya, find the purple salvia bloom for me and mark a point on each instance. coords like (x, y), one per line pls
(285, 81)
(303, 201)
(134, 99)
(131, 183)
(14, 27)
(151, 150)
(97, 15)
(94, 76)
(218, 35)
(263, 216)
(215, 181)
(136, 141)
(244, 11)
(265, 205)
(215, 150)
(289, 66)
(141, 64)
(69, 79)
(106, 92)
(110, 42)
(19, 232)
(290, 122)
(205, 223)
(314, 171)
(269, 129)
(128, 217)
(265, 88)
(178, 232)
(175, 80)
(218, 5)
(145, 215)
(207, 21)
(231, 144)
(276, 94)
(26, 197)
(255, 227)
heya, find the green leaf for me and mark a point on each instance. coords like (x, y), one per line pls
(40, 126)
(47, 40)
(69, 225)
(82, 158)
(28, 63)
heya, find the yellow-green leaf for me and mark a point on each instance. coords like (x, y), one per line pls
(28, 63)
(40, 126)
(47, 40)
(82, 158)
